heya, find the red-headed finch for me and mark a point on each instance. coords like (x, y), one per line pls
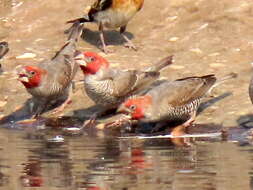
(108, 86)
(170, 101)
(50, 81)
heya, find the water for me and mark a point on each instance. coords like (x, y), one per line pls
(98, 161)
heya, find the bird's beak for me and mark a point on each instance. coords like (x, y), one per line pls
(22, 76)
(81, 60)
(123, 109)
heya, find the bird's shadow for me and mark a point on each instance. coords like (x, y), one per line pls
(112, 37)
(20, 114)
(212, 101)
(246, 121)
(24, 113)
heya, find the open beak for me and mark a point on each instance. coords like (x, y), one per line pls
(81, 60)
(22, 76)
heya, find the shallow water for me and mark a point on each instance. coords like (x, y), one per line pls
(204, 36)
(98, 161)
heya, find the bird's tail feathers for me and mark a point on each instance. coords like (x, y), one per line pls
(225, 78)
(80, 20)
(75, 22)
(161, 64)
(75, 32)
(222, 80)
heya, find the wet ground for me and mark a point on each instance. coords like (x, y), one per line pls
(204, 36)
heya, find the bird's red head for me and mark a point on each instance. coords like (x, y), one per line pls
(31, 76)
(91, 62)
(136, 106)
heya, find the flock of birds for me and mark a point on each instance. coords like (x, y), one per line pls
(138, 94)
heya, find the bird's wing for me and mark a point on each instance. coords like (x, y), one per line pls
(184, 91)
(100, 5)
(60, 73)
(122, 82)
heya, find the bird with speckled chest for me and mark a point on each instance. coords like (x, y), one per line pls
(169, 101)
(112, 14)
(109, 86)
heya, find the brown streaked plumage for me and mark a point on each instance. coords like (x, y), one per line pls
(170, 100)
(109, 86)
(112, 14)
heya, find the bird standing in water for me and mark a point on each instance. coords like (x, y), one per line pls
(112, 14)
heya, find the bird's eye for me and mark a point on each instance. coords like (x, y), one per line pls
(92, 59)
(32, 72)
(132, 107)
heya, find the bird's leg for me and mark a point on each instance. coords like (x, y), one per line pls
(129, 43)
(101, 35)
(190, 121)
(119, 122)
(63, 105)
(91, 122)
(67, 101)
(157, 127)
(40, 109)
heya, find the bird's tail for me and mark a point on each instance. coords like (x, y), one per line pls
(225, 78)
(76, 22)
(79, 20)
(222, 80)
(161, 64)
(75, 32)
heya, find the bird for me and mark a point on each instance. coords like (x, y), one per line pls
(108, 86)
(50, 80)
(112, 14)
(4, 48)
(170, 101)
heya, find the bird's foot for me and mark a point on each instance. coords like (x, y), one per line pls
(61, 107)
(118, 123)
(188, 123)
(35, 116)
(129, 44)
(91, 122)
(106, 49)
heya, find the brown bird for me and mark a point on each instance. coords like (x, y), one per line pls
(169, 101)
(50, 81)
(108, 86)
(112, 14)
